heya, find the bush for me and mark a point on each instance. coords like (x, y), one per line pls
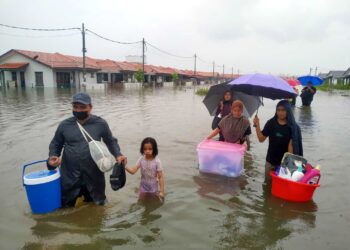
(139, 75)
(202, 91)
(174, 77)
(326, 86)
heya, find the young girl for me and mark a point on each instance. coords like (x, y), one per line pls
(152, 178)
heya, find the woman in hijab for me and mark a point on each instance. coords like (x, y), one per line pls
(235, 128)
(284, 136)
(223, 109)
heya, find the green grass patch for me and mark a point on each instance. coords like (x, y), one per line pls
(339, 86)
(202, 91)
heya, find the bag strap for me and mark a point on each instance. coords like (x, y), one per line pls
(85, 133)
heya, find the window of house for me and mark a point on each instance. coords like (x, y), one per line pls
(92, 75)
(99, 77)
(14, 76)
(39, 79)
(105, 77)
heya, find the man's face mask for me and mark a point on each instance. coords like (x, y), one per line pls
(81, 115)
(81, 111)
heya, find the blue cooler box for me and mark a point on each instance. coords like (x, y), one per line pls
(43, 189)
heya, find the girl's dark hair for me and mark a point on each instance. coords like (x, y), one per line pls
(151, 141)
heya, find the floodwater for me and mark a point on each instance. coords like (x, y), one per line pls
(199, 211)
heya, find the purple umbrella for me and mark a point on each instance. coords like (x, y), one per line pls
(263, 85)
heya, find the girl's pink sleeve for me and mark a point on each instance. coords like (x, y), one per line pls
(138, 163)
(159, 165)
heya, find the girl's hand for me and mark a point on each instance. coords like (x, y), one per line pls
(121, 159)
(256, 121)
(221, 105)
(161, 194)
(245, 145)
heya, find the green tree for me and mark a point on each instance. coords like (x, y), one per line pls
(174, 77)
(139, 75)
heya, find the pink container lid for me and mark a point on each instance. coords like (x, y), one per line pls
(222, 146)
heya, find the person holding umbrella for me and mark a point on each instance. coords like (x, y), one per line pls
(307, 94)
(284, 136)
(224, 106)
(223, 109)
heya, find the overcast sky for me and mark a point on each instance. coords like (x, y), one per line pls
(267, 36)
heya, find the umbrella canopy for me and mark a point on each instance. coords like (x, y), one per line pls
(315, 80)
(216, 93)
(263, 85)
(293, 82)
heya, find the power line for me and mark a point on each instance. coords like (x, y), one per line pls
(26, 28)
(168, 53)
(28, 36)
(100, 36)
(204, 61)
(110, 40)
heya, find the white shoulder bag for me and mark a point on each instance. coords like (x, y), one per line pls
(99, 151)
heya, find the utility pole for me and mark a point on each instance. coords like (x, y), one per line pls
(84, 50)
(223, 71)
(213, 71)
(195, 65)
(316, 71)
(310, 71)
(143, 60)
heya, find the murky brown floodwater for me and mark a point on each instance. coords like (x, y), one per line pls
(200, 212)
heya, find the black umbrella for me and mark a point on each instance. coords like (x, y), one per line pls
(216, 93)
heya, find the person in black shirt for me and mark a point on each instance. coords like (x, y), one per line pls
(307, 94)
(284, 136)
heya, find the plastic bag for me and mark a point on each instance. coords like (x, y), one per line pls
(99, 152)
(285, 173)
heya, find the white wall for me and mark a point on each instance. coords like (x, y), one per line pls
(88, 77)
(29, 74)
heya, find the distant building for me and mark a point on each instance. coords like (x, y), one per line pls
(346, 76)
(322, 75)
(135, 59)
(37, 69)
(23, 68)
(334, 76)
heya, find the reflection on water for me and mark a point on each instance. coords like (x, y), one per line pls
(200, 211)
(264, 222)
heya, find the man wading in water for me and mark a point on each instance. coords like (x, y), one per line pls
(80, 176)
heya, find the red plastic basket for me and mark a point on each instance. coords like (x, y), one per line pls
(291, 190)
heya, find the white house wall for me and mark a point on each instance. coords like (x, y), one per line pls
(29, 73)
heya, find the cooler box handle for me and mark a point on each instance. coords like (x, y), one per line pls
(30, 164)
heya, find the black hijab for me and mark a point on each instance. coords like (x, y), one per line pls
(296, 132)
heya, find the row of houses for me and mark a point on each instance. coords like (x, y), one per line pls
(336, 76)
(39, 69)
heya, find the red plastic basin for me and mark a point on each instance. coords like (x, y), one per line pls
(291, 190)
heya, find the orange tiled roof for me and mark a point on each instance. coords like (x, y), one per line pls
(58, 60)
(13, 65)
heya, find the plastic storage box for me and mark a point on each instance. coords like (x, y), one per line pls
(220, 158)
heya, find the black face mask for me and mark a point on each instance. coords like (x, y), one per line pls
(81, 115)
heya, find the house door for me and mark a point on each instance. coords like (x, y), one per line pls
(23, 81)
(63, 79)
